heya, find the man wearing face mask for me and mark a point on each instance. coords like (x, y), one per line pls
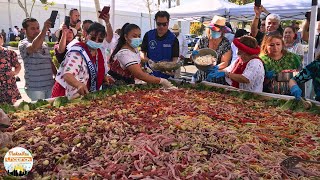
(215, 40)
(160, 44)
(83, 69)
(183, 46)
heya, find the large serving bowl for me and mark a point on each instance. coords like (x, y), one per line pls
(202, 60)
(285, 75)
(165, 66)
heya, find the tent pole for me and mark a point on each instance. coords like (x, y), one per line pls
(80, 7)
(113, 7)
(310, 58)
(10, 20)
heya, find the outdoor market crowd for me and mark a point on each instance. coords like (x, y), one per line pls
(90, 56)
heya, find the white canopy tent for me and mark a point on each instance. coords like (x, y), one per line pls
(287, 9)
(200, 8)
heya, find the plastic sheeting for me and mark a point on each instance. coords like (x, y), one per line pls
(201, 8)
(287, 9)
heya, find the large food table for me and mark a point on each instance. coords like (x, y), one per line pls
(144, 132)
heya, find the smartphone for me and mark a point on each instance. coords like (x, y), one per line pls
(53, 17)
(104, 11)
(257, 3)
(67, 21)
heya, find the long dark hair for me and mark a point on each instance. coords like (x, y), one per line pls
(126, 28)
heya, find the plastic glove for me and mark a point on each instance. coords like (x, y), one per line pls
(5, 138)
(296, 92)
(270, 74)
(195, 52)
(215, 75)
(4, 119)
(213, 69)
(167, 84)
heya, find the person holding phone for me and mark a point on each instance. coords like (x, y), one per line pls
(65, 35)
(160, 44)
(272, 22)
(305, 32)
(37, 60)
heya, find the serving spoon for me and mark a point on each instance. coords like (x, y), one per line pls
(292, 161)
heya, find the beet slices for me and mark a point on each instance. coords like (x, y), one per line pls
(156, 134)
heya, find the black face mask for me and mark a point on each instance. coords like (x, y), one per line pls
(177, 34)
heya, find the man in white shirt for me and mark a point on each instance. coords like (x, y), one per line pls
(15, 31)
(183, 46)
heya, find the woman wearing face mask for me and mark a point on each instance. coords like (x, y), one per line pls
(125, 59)
(277, 60)
(83, 69)
(214, 40)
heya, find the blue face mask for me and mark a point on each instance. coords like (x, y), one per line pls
(94, 45)
(135, 42)
(215, 35)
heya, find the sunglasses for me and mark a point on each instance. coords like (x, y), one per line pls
(94, 38)
(162, 24)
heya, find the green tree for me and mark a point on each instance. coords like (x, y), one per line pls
(23, 6)
(196, 28)
(169, 2)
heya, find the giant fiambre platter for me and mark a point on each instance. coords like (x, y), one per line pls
(143, 132)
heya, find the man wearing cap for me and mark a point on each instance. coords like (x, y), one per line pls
(216, 41)
(183, 46)
(160, 44)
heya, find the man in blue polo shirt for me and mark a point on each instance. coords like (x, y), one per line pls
(160, 44)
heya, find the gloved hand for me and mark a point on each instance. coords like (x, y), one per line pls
(270, 74)
(167, 84)
(213, 69)
(5, 138)
(215, 75)
(4, 119)
(195, 52)
(296, 92)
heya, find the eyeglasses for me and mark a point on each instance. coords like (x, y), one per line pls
(162, 24)
(263, 24)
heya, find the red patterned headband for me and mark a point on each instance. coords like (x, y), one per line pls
(246, 49)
